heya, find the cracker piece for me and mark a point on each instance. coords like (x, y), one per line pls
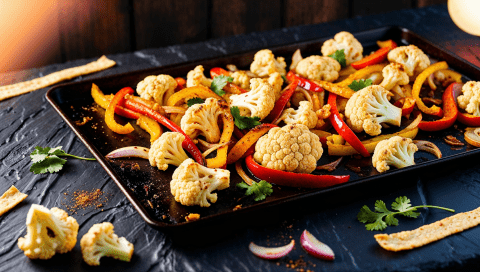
(429, 233)
(28, 86)
(10, 199)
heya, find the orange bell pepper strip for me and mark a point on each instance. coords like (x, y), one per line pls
(110, 113)
(181, 83)
(103, 102)
(417, 86)
(449, 108)
(247, 141)
(230, 87)
(376, 68)
(221, 159)
(151, 126)
(387, 43)
(180, 97)
(379, 56)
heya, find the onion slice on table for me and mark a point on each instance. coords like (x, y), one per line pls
(271, 253)
(428, 147)
(129, 151)
(315, 247)
(472, 136)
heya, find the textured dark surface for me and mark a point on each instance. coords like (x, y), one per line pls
(28, 121)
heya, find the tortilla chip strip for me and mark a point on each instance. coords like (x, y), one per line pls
(334, 88)
(429, 233)
(45, 81)
(10, 199)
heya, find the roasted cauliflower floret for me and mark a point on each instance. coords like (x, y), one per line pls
(167, 150)
(259, 101)
(344, 40)
(470, 98)
(303, 115)
(394, 75)
(100, 241)
(192, 184)
(48, 232)
(397, 151)
(413, 59)
(292, 148)
(319, 68)
(368, 108)
(202, 119)
(157, 88)
(241, 79)
(196, 77)
(276, 81)
(264, 64)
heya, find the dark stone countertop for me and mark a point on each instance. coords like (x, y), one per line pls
(29, 120)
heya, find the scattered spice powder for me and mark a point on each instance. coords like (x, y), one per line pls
(82, 199)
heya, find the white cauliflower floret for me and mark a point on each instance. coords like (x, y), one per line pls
(394, 75)
(157, 88)
(303, 115)
(276, 81)
(100, 241)
(413, 59)
(193, 184)
(241, 79)
(48, 232)
(196, 77)
(470, 98)
(292, 148)
(369, 107)
(167, 150)
(344, 40)
(202, 119)
(259, 101)
(264, 64)
(397, 151)
(319, 68)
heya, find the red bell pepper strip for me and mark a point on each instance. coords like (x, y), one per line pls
(103, 102)
(181, 83)
(187, 143)
(303, 82)
(282, 102)
(290, 179)
(343, 129)
(379, 56)
(217, 71)
(110, 112)
(450, 111)
(407, 104)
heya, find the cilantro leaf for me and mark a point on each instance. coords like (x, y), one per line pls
(219, 82)
(243, 122)
(45, 159)
(193, 101)
(339, 56)
(357, 85)
(261, 189)
(284, 78)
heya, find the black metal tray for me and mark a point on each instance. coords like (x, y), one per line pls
(147, 188)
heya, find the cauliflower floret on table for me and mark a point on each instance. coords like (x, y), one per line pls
(276, 81)
(368, 108)
(196, 77)
(100, 241)
(303, 115)
(397, 151)
(167, 150)
(157, 88)
(192, 184)
(241, 79)
(264, 64)
(292, 148)
(319, 68)
(48, 232)
(413, 59)
(259, 101)
(344, 40)
(202, 119)
(470, 98)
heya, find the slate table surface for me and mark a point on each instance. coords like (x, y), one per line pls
(29, 120)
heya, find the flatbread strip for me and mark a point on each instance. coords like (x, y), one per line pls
(28, 86)
(429, 233)
(10, 199)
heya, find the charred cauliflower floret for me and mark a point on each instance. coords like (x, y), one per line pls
(192, 184)
(397, 151)
(344, 40)
(368, 108)
(394, 75)
(259, 101)
(202, 119)
(157, 88)
(470, 98)
(100, 241)
(196, 77)
(413, 59)
(292, 148)
(241, 79)
(319, 68)
(264, 64)
(167, 150)
(276, 81)
(48, 232)
(303, 115)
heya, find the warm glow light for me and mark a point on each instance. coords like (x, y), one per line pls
(466, 15)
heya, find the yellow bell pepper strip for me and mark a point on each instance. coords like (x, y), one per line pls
(110, 113)
(191, 92)
(322, 135)
(336, 89)
(151, 126)
(452, 76)
(362, 73)
(449, 108)
(379, 56)
(417, 86)
(221, 159)
(103, 102)
(247, 141)
(387, 43)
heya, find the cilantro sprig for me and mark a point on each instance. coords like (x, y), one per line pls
(357, 85)
(243, 122)
(261, 189)
(195, 100)
(382, 217)
(339, 56)
(46, 159)
(219, 82)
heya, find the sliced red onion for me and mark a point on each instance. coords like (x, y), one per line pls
(271, 253)
(129, 151)
(315, 247)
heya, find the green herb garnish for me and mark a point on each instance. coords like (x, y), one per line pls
(243, 122)
(360, 84)
(261, 189)
(339, 56)
(193, 101)
(219, 82)
(47, 160)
